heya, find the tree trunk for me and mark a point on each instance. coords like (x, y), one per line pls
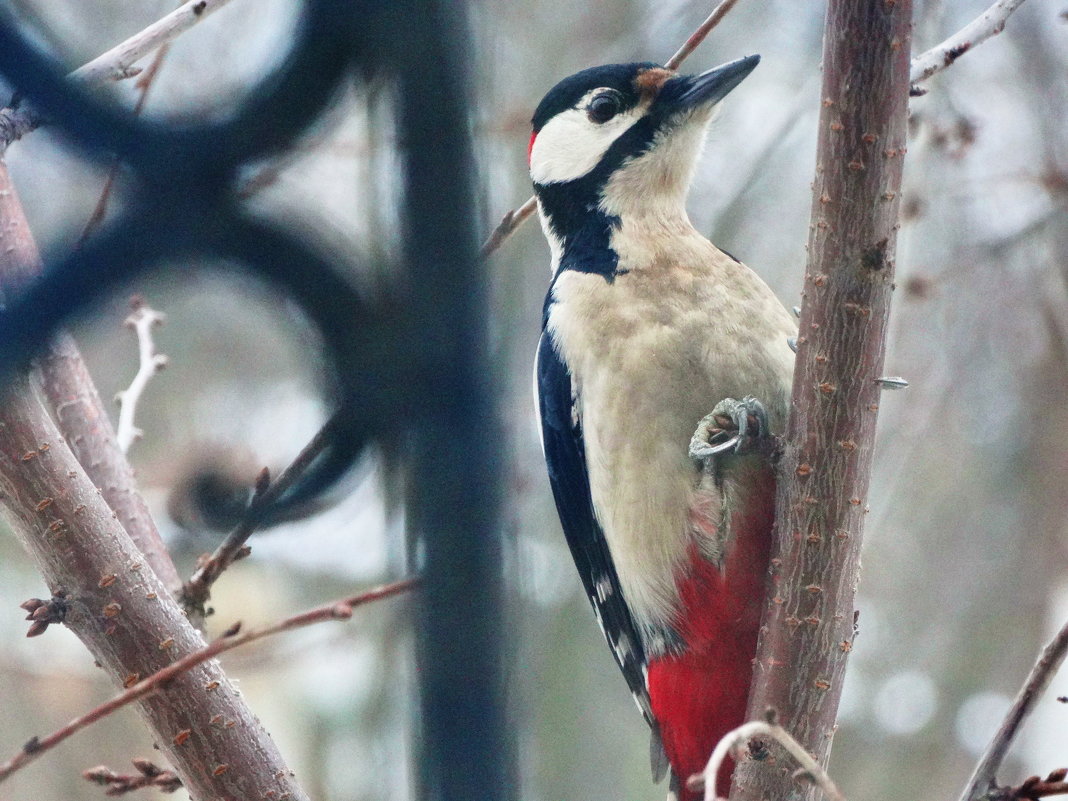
(808, 624)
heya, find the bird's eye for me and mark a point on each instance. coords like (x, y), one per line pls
(603, 107)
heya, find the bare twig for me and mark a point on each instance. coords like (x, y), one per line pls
(142, 320)
(149, 774)
(230, 639)
(698, 36)
(1035, 787)
(734, 740)
(143, 86)
(990, 23)
(197, 590)
(508, 225)
(511, 221)
(83, 420)
(116, 64)
(985, 773)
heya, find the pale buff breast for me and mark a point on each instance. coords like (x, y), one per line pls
(650, 354)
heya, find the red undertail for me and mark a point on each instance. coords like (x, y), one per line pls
(701, 694)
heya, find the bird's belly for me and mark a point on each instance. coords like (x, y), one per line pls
(649, 357)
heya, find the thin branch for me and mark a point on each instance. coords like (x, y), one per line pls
(142, 320)
(734, 740)
(230, 639)
(990, 23)
(508, 225)
(197, 590)
(511, 221)
(698, 36)
(1048, 663)
(149, 774)
(116, 64)
(143, 86)
(1036, 787)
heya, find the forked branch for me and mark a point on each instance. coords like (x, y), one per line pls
(142, 319)
(196, 591)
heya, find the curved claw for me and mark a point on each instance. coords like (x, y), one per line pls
(727, 427)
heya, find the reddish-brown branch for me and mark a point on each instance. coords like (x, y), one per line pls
(197, 590)
(232, 638)
(74, 400)
(511, 221)
(807, 628)
(118, 605)
(985, 774)
(698, 36)
(733, 743)
(143, 86)
(84, 423)
(1035, 787)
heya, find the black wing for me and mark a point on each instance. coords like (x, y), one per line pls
(565, 457)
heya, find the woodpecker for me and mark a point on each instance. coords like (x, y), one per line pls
(647, 328)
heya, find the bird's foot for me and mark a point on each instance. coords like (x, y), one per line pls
(729, 428)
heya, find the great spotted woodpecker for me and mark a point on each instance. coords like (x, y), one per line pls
(647, 328)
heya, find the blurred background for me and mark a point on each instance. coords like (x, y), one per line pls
(964, 569)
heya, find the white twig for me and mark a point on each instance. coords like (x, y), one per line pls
(990, 23)
(734, 740)
(117, 63)
(114, 65)
(142, 320)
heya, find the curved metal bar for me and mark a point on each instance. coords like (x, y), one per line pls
(426, 376)
(144, 239)
(276, 112)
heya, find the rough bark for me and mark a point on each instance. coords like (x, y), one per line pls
(74, 399)
(807, 630)
(88, 431)
(118, 606)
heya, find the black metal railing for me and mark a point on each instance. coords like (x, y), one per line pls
(417, 372)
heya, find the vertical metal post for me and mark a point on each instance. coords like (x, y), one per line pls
(437, 368)
(466, 749)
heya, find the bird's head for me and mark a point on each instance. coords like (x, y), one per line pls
(623, 138)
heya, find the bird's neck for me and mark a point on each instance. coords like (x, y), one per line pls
(585, 230)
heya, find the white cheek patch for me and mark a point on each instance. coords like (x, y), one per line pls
(570, 145)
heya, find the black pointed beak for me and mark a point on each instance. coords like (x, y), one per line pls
(712, 86)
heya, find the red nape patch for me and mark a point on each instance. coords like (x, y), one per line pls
(530, 147)
(701, 694)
